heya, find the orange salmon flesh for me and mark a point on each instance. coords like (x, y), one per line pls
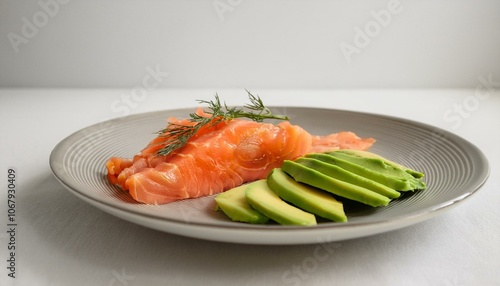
(219, 157)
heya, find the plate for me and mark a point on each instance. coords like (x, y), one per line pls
(454, 168)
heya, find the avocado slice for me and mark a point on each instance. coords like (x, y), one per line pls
(319, 180)
(392, 182)
(366, 154)
(341, 174)
(234, 204)
(263, 199)
(380, 166)
(306, 197)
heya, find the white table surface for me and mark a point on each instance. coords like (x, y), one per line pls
(61, 240)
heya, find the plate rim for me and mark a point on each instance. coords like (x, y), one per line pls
(480, 181)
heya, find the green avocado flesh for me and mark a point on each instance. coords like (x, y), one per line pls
(341, 174)
(366, 154)
(306, 197)
(319, 180)
(373, 169)
(382, 166)
(234, 204)
(266, 201)
(309, 186)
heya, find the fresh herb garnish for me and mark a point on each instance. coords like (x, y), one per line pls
(177, 135)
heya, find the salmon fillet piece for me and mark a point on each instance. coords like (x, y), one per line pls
(218, 158)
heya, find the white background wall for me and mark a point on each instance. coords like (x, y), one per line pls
(249, 43)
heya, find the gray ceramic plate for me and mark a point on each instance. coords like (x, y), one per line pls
(454, 170)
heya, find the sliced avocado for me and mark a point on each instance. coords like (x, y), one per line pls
(366, 154)
(306, 197)
(367, 172)
(234, 204)
(263, 199)
(319, 180)
(380, 166)
(341, 174)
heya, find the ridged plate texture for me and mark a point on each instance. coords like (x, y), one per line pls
(454, 169)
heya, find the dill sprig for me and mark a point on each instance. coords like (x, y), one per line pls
(178, 135)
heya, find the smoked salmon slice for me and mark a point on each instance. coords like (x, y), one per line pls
(219, 157)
